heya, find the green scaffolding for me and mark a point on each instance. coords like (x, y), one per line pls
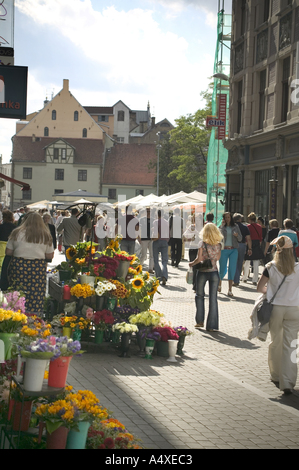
(217, 154)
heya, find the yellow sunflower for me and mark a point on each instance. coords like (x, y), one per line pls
(138, 283)
(71, 252)
(139, 269)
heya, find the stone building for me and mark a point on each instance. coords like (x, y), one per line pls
(262, 171)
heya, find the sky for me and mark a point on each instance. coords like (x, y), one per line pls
(137, 51)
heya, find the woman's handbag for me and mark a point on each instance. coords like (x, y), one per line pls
(265, 309)
(206, 264)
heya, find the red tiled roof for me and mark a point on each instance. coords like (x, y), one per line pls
(87, 151)
(128, 164)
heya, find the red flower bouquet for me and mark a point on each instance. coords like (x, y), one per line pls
(102, 319)
(166, 332)
(121, 257)
(105, 266)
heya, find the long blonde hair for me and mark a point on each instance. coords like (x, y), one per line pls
(211, 234)
(34, 229)
(284, 259)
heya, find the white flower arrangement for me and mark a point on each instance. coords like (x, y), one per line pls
(103, 287)
(125, 327)
(70, 308)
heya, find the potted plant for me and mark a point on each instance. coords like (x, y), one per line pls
(102, 290)
(182, 332)
(65, 271)
(10, 323)
(166, 333)
(150, 338)
(101, 320)
(64, 349)
(145, 321)
(126, 330)
(36, 356)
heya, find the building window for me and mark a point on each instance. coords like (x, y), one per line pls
(285, 88)
(121, 140)
(239, 105)
(103, 118)
(76, 116)
(261, 205)
(63, 154)
(27, 173)
(56, 154)
(59, 174)
(243, 16)
(139, 192)
(262, 98)
(46, 132)
(84, 133)
(26, 195)
(111, 193)
(58, 191)
(266, 10)
(121, 116)
(82, 175)
(53, 115)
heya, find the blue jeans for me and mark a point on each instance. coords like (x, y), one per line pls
(160, 246)
(201, 279)
(230, 256)
(241, 254)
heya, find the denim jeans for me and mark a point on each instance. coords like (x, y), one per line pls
(201, 279)
(160, 246)
(230, 257)
(241, 254)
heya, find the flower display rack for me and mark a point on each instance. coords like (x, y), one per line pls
(10, 439)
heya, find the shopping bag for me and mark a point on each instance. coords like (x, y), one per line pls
(189, 276)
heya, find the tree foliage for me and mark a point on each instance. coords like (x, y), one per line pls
(183, 156)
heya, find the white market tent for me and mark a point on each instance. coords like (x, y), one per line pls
(181, 197)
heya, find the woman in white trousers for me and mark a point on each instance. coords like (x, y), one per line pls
(284, 321)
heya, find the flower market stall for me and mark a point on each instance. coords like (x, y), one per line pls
(103, 299)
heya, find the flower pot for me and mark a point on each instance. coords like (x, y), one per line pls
(149, 346)
(100, 300)
(34, 374)
(142, 341)
(7, 340)
(162, 348)
(122, 269)
(125, 344)
(99, 336)
(180, 345)
(110, 303)
(115, 336)
(65, 275)
(172, 347)
(57, 439)
(77, 333)
(67, 331)
(79, 306)
(58, 371)
(21, 418)
(77, 439)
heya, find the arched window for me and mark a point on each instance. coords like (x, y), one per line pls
(84, 134)
(53, 115)
(76, 116)
(46, 132)
(121, 116)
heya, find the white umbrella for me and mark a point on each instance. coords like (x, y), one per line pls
(132, 201)
(196, 196)
(149, 200)
(83, 201)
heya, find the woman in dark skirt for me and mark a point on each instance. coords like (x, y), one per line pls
(31, 248)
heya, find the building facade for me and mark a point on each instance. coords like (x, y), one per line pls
(262, 171)
(65, 147)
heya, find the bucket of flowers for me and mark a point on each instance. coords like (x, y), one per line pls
(182, 332)
(102, 320)
(103, 291)
(126, 330)
(166, 333)
(10, 324)
(145, 322)
(64, 349)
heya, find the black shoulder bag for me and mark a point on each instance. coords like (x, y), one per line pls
(264, 310)
(206, 264)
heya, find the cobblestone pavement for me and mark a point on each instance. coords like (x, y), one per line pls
(217, 396)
